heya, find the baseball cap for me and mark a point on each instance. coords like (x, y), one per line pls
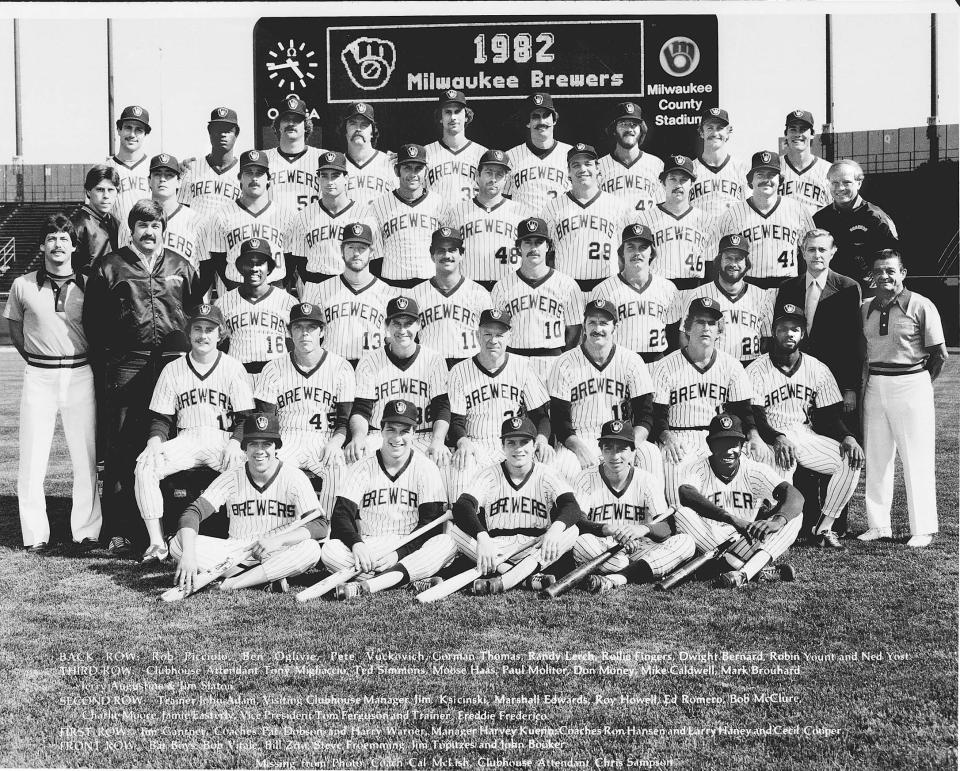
(620, 430)
(521, 426)
(723, 425)
(765, 159)
(734, 241)
(254, 158)
(678, 163)
(412, 153)
(580, 148)
(538, 101)
(357, 233)
(531, 227)
(402, 306)
(444, 237)
(496, 316)
(223, 115)
(789, 311)
(205, 312)
(333, 160)
(453, 96)
(306, 312)
(137, 113)
(399, 411)
(293, 105)
(715, 113)
(799, 116)
(165, 161)
(626, 110)
(706, 305)
(260, 425)
(637, 232)
(360, 108)
(257, 247)
(600, 305)
(494, 157)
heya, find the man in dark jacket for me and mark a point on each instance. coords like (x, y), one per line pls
(96, 227)
(133, 316)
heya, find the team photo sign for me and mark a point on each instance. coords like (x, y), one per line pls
(667, 64)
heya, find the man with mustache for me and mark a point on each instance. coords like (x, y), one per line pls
(370, 171)
(628, 172)
(539, 165)
(293, 163)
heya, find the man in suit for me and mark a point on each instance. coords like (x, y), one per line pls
(831, 304)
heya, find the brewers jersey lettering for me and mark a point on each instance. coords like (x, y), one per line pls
(541, 309)
(508, 508)
(452, 174)
(257, 328)
(641, 500)
(418, 379)
(182, 235)
(693, 396)
(746, 318)
(233, 224)
(789, 398)
(294, 183)
(371, 179)
(638, 184)
(315, 233)
(718, 187)
(354, 318)
(205, 190)
(134, 185)
(586, 235)
(642, 314)
(532, 181)
(202, 400)
(742, 495)
(489, 237)
(404, 229)
(809, 186)
(681, 241)
(449, 320)
(774, 237)
(389, 505)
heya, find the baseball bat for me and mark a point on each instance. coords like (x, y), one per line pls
(689, 568)
(457, 582)
(342, 576)
(234, 558)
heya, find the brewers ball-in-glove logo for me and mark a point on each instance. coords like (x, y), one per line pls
(222, 112)
(401, 407)
(254, 155)
(714, 110)
(445, 232)
(369, 62)
(680, 159)
(798, 113)
(617, 426)
(533, 225)
(496, 313)
(581, 146)
(638, 230)
(735, 240)
(138, 111)
(537, 99)
(361, 107)
(629, 107)
(765, 157)
(262, 422)
(205, 310)
(451, 94)
(306, 308)
(412, 151)
(788, 308)
(516, 422)
(254, 243)
(164, 157)
(292, 103)
(330, 157)
(498, 155)
(402, 302)
(725, 422)
(357, 229)
(679, 56)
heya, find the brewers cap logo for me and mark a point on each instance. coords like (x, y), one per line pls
(617, 426)
(599, 303)
(533, 225)
(164, 157)
(496, 313)
(537, 99)
(306, 308)
(516, 422)
(330, 157)
(707, 302)
(361, 108)
(137, 111)
(498, 155)
(292, 102)
(734, 240)
(788, 308)
(402, 302)
(581, 146)
(629, 107)
(205, 309)
(254, 243)
(412, 151)
(401, 407)
(725, 422)
(714, 110)
(765, 157)
(637, 230)
(445, 232)
(681, 159)
(798, 113)
(451, 93)
(357, 229)
(222, 111)
(262, 422)
(254, 155)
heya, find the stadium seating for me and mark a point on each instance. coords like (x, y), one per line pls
(23, 222)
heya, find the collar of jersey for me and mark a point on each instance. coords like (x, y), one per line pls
(210, 371)
(387, 474)
(270, 481)
(309, 373)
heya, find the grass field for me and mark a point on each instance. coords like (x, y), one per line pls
(852, 666)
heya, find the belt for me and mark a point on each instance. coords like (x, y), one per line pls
(892, 370)
(57, 362)
(535, 351)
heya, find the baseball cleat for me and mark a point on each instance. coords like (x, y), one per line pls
(784, 572)
(599, 584)
(540, 581)
(732, 579)
(39, 548)
(352, 589)
(875, 534)
(158, 552)
(484, 586)
(422, 584)
(277, 587)
(828, 540)
(85, 545)
(920, 541)
(120, 546)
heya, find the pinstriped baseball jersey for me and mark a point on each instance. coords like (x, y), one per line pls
(253, 511)
(372, 178)
(202, 400)
(753, 483)
(452, 174)
(641, 500)
(294, 183)
(404, 230)
(315, 233)
(234, 224)
(488, 398)
(532, 182)
(524, 506)
(389, 504)
(718, 187)
(450, 319)
(598, 393)
(790, 397)
(541, 309)
(182, 235)
(681, 241)
(809, 186)
(774, 238)
(746, 319)
(419, 379)
(694, 396)
(257, 329)
(586, 235)
(354, 317)
(637, 184)
(134, 185)
(206, 190)
(489, 237)
(642, 314)
(307, 400)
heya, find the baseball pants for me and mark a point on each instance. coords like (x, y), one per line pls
(70, 392)
(648, 458)
(661, 557)
(193, 447)
(303, 449)
(291, 561)
(898, 416)
(694, 445)
(708, 534)
(438, 552)
(467, 545)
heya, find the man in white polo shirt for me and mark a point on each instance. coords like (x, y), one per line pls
(44, 313)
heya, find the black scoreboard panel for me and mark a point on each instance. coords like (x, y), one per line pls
(401, 65)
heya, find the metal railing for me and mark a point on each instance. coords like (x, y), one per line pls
(8, 253)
